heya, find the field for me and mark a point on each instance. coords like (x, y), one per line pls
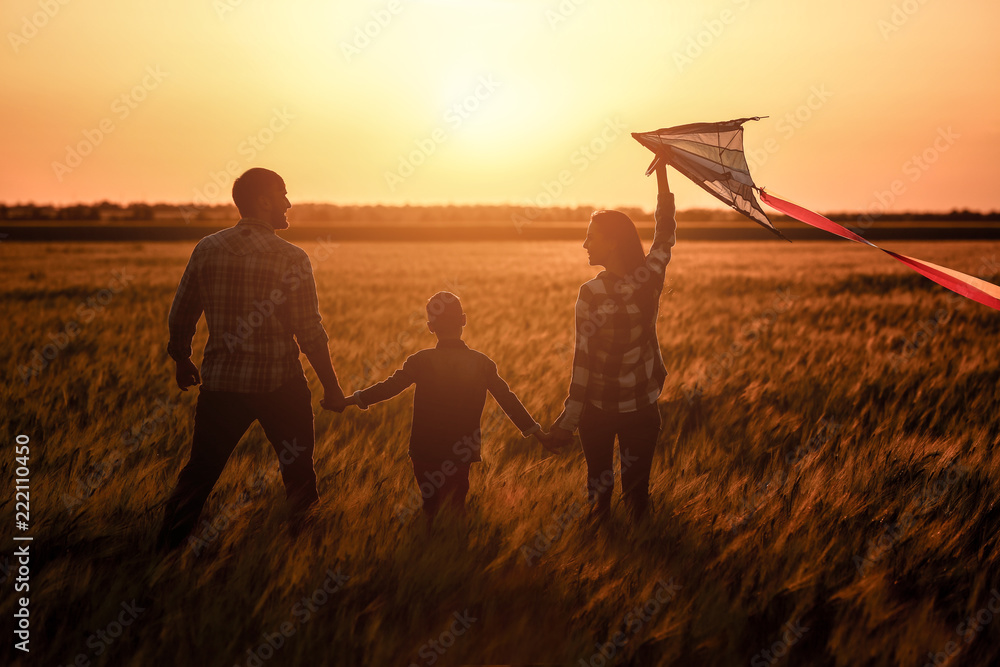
(825, 490)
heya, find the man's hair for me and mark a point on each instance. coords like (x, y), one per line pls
(444, 310)
(251, 184)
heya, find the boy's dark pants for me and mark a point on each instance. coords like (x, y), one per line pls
(637, 432)
(221, 419)
(440, 483)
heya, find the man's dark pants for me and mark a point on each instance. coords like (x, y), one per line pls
(221, 419)
(637, 433)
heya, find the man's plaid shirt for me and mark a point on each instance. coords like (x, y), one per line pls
(616, 363)
(257, 292)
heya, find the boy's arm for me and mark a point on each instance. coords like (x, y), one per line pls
(509, 402)
(386, 389)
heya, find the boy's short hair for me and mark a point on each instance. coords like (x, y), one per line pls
(444, 309)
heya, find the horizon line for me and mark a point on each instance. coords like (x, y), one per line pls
(649, 211)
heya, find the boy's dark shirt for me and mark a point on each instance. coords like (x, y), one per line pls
(451, 384)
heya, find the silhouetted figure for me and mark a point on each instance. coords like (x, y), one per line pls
(618, 373)
(451, 385)
(259, 297)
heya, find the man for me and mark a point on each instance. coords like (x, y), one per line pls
(257, 292)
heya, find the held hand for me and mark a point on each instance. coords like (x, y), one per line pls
(187, 374)
(549, 443)
(559, 433)
(337, 402)
(560, 437)
(334, 399)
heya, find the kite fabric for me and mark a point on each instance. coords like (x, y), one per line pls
(711, 155)
(978, 290)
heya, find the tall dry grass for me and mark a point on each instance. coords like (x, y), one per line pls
(827, 463)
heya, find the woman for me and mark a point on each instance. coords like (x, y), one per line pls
(617, 369)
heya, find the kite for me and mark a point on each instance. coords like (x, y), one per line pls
(711, 155)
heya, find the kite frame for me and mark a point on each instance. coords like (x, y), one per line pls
(661, 156)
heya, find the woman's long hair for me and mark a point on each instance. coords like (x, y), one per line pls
(620, 227)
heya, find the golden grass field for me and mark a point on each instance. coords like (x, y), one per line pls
(825, 490)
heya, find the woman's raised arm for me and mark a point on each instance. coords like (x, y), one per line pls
(665, 232)
(661, 179)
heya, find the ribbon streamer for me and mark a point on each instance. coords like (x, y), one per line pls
(968, 286)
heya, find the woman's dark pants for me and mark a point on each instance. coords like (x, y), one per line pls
(637, 433)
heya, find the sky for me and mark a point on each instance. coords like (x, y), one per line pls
(871, 105)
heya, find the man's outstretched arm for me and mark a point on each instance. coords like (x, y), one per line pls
(333, 395)
(307, 327)
(183, 322)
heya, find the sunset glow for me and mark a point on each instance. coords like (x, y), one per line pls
(870, 104)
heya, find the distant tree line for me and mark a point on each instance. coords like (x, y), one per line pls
(409, 214)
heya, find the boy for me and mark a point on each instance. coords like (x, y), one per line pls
(451, 384)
